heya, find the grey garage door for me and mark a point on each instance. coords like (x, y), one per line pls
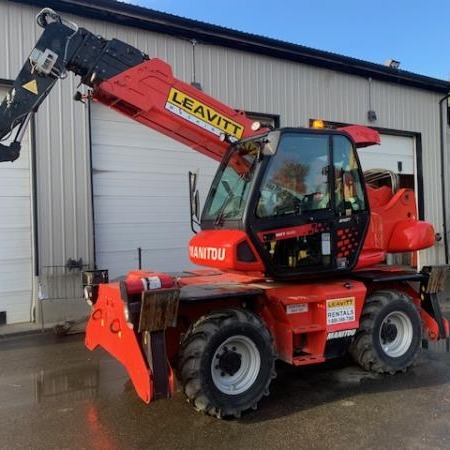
(141, 198)
(394, 152)
(16, 250)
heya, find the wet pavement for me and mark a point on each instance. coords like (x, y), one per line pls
(54, 393)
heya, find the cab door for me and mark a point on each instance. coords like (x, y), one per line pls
(307, 210)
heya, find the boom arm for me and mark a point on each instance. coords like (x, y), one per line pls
(122, 78)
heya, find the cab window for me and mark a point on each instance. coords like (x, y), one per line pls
(297, 177)
(349, 196)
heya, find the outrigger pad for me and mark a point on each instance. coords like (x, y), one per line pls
(159, 309)
(437, 278)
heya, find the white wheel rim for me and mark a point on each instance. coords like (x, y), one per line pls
(396, 334)
(245, 361)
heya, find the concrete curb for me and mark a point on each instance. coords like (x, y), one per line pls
(13, 331)
(30, 329)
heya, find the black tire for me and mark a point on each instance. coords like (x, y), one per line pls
(390, 333)
(225, 351)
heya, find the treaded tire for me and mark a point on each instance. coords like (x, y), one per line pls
(227, 362)
(390, 333)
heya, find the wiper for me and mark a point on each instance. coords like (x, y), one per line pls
(221, 213)
(230, 197)
(243, 179)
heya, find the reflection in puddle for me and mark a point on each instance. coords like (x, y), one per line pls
(98, 379)
(103, 378)
(81, 384)
(100, 436)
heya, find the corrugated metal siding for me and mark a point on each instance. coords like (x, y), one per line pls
(297, 93)
(257, 83)
(62, 176)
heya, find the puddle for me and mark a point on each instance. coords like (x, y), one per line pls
(75, 376)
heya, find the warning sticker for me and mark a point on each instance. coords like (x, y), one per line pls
(297, 308)
(340, 310)
(31, 86)
(202, 115)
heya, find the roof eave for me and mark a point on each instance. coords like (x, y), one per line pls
(138, 17)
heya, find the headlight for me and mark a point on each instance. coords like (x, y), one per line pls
(87, 293)
(126, 313)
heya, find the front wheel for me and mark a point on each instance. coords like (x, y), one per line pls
(390, 333)
(227, 362)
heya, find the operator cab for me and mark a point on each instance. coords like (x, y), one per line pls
(298, 195)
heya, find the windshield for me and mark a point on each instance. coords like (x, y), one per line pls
(296, 180)
(231, 187)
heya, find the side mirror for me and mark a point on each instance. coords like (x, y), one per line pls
(194, 201)
(271, 143)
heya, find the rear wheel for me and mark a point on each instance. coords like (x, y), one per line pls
(390, 333)
(226, 362)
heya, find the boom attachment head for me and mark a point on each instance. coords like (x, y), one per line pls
(62, 48)
(40, 72)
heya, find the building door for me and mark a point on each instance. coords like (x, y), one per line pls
(141, 194)
(16, 249)
(396, 153)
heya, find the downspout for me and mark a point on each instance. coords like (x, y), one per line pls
(91, 175)
(443, 187)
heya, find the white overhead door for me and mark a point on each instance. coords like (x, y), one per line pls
(395, 153)
(141, 196)
(16, 263)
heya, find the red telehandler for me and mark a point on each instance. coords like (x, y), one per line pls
(293, 239)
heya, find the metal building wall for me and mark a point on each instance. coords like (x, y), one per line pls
(246, 81)
(298, 92)
(62, 170)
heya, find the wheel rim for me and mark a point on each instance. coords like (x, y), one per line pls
(396, 334)
(235, 365)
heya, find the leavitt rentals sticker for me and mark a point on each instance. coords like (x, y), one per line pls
(340, 310)
(196, 112)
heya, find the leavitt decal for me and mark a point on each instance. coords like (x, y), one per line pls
(202, 115)
(340, 310)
